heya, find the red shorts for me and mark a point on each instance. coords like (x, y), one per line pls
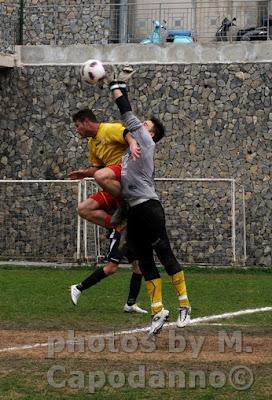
(117, 171)
(105, 200)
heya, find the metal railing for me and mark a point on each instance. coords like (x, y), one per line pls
(126, 22)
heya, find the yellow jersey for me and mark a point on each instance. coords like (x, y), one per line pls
(109, 145)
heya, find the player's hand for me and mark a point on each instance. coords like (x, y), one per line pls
(135, 150)
(126, 73)
(79, 174)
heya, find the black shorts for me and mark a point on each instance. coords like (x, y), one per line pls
(146, 233)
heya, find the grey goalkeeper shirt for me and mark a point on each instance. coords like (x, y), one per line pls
(137, 176)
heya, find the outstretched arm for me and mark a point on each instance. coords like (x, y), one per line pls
(83, 173)
(121, 100)
(124, 106)
(117, 84)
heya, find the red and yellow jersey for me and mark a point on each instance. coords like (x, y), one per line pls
(109, 145)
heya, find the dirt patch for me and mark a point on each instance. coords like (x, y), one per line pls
(202, 345)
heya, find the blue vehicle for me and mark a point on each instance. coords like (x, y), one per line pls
(173, 36)
(180, 37)
(155, 37)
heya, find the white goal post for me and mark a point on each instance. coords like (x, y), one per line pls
(205, 221)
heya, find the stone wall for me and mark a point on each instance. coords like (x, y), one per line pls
(8, 27)
(218, 120)
(71, 22)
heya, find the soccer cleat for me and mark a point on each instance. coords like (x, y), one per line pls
(184, 316)
(75, 294)
(158, 321)
(134, 309)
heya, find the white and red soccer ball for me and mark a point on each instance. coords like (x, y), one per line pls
(92, 71)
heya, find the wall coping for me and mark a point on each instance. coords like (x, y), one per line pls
(194, 53)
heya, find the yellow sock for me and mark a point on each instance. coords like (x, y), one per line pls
(178, 281)
(154, 288)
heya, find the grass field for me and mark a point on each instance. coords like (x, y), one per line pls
(35, 308)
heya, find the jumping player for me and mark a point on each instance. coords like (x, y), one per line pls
(106, 146)
(146, 220)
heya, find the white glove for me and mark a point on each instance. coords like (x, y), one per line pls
(126, 73)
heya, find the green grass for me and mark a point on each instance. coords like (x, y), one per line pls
(35, 298)
(39, 299)
(31, 384)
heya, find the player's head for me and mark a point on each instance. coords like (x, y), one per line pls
(85, 122)
(84, 114)
(155, 127)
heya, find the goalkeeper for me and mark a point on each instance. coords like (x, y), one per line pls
(146, 229)
(106, 146)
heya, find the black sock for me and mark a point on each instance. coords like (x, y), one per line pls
(94, 278)
(134, 288)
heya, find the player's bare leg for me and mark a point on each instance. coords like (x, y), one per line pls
(89, 209)
(110, 268)
(106, 179)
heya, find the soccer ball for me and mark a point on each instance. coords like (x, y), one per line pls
(92, 71)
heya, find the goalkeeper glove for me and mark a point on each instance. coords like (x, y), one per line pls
(118, 81)
(126, 73)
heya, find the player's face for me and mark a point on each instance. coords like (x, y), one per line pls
(81, 128)
(148, 124)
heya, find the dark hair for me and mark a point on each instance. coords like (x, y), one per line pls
(158, 129)
(84, 114)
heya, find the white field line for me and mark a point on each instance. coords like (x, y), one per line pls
(194, 321)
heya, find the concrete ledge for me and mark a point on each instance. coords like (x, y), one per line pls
(239, 52)
(7, 60)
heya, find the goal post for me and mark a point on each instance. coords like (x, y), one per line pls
(205, 221)
(90, 231)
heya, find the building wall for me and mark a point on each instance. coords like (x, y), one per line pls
(200, 16)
